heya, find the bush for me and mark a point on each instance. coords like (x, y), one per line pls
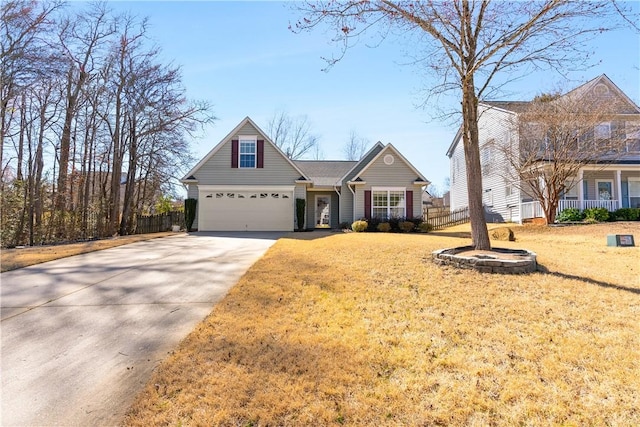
(627, 214)
(406, 226)
(359, 226)
(425, 227)
(504, 233)
(570, 214)
(597, 214)
(345, 226)
(385, 227)
(189, 212)
(373, 223)
(300, 205)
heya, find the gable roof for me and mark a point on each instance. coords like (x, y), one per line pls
(377, 147)
(519, 106)
(188, 177)
(390, 147)
(325, 172)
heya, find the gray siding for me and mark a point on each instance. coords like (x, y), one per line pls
(363, 162)
(217, 170)
(398, 174)
(346, 205)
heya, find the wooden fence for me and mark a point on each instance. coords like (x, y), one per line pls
(158, 223)
(443, 218)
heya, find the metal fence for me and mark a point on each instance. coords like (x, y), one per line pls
(445, 218)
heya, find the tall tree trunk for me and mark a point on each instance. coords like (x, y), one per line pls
(470, 138)
(131, 178)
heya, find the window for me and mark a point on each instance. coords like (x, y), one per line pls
(602, 131)
(388, 203)
(247, 153)
(485, 158)
(570, 190)
(634, 193)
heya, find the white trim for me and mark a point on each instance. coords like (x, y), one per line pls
(631, 179)
(246, 187)
(388, 188)
(376, 145)
(254, 140)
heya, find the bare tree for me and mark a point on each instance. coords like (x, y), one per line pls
(293, 135)
(469, 43)
(557, 137)
(355, 147)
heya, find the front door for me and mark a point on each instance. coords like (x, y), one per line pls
(604, 190)
(323, 211)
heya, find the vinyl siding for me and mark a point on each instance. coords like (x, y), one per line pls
(494, 130)
(217, 170)
(346, 205)
(363, 162)
(397, 174)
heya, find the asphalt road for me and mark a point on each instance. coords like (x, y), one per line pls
(81, 336)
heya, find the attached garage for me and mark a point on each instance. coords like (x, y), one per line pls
(254, 208)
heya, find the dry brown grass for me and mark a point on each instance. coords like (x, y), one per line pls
(363, 329)
(11, 259)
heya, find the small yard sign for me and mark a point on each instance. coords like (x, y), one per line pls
(620, 240)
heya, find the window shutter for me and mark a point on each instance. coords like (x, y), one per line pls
(260, 154)
(409, 204)
(367, 204)
(625, 194)
(234, 153)
(585, 187)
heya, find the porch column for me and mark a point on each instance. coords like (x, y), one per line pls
(619, 187)
(581, 188)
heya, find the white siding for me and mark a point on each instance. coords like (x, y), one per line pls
(494, 128)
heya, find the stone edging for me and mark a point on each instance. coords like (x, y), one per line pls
(525, 262)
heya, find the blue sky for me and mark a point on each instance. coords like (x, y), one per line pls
(242, 58)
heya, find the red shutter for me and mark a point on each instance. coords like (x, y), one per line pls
(367, 204)
(260, 154)
(409, 204)
(234, 153)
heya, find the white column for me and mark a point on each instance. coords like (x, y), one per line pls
(619, 187)
(581, 188)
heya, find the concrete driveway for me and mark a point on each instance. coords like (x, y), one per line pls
(82, 335)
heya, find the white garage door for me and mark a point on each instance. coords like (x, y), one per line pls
(253, 209)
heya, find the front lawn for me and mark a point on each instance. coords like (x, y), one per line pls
(363, 329)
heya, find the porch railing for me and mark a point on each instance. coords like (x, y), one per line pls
(534, 209)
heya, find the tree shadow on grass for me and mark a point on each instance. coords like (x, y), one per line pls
(600, 283)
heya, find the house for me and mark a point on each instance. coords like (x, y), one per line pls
(609, 183)
(245, 183)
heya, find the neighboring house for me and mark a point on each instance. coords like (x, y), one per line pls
(245, 183)
(612, 185)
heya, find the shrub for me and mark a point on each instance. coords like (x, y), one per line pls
(406, 226)
(345, 226)
(359, 226)
(385, 227)
(597, 214)
(425, 227)
(627, 214)
(570, 214)
(300, 205)
(504, 234)
(373, 223)
(189, 212)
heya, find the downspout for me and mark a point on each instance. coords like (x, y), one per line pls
(353, 203)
